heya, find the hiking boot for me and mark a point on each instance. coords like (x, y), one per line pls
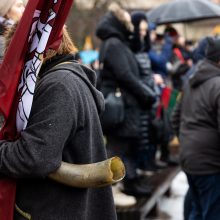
(121, 199)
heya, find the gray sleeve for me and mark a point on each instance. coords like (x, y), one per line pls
(39, 149)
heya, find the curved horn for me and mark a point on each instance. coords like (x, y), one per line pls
(92, 175)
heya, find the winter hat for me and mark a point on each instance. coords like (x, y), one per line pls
(5, 6)
(213, 49)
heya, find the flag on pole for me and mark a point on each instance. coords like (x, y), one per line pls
(40, 29)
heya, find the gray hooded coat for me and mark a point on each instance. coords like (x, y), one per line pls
(63, 126)
(197, 121)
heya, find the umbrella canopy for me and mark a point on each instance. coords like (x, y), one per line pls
(178, 11)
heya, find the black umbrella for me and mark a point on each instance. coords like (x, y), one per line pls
(178, 11)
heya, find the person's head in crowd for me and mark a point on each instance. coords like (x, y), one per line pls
(141, 35)
(116, 22)
(157, 41)
(189, 45)
(171, 32)
(181, 41)
(11, 9)
(153, 32)
(199, 52)
(213, 50)
(121, 15)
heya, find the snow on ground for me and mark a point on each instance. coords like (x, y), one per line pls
(171, 208)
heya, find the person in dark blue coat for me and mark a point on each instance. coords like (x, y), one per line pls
(160, 59)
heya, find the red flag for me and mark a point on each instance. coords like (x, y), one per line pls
(164, 101)
(39, 29)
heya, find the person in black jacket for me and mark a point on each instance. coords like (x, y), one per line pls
(140, 45)
(197, 121)
(119, 69)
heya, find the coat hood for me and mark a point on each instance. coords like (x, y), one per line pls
(204, 71)
(110, 26)
(199, 52)
(67, 62)
(136, 43)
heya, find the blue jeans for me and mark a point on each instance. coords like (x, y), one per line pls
(205, 193)
(187, 205)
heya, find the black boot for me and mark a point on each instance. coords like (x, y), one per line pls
(137, 188)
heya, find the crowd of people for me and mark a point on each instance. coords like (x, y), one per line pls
(142, 70)
(146, 70)
(155, 87)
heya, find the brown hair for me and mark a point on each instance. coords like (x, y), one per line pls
(66, 46)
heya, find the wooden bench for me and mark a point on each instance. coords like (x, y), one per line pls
(161, 182)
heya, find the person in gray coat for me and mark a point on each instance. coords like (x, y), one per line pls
(196, 120)
(63, 126)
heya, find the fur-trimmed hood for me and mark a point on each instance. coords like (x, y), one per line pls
(114, 24)
(119, 13)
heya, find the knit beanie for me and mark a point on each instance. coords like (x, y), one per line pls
(5, 6)
(213, 49)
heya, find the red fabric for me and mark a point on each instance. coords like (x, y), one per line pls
(10, 74)
(179, 55)
(164, 100)
(7, 199)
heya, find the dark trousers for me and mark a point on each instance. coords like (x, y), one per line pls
(187, 205)
(124, 148)
(205, 193)
(146, 143)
